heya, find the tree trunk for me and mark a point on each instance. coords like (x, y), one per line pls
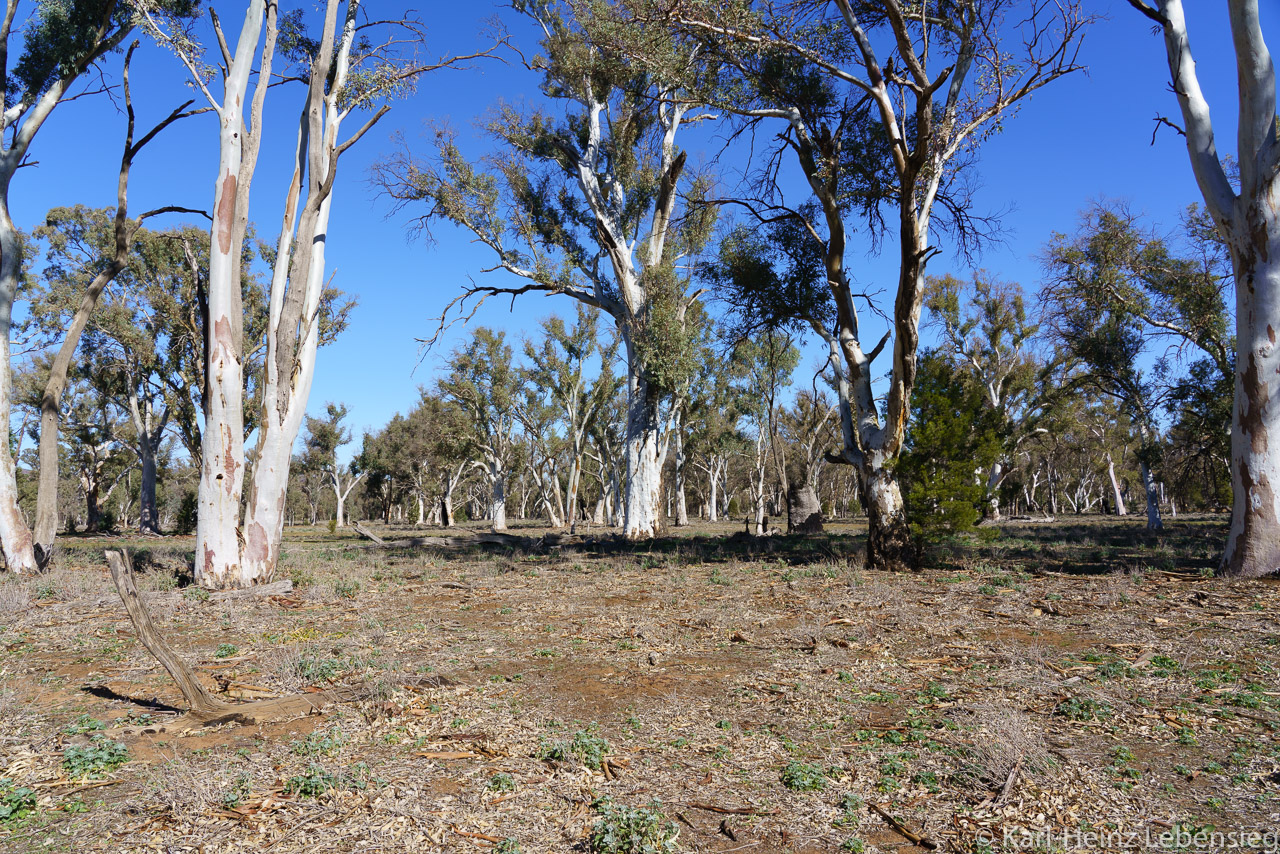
(148, 515)
(993, 491)
(804, 510)
(713, 504)
(642, 508)
(498, 499)
(217, 557)
(1253, 541)
(1153, 499)
(1115, 488)
(682, 504)
(15, 537)
(888, 537)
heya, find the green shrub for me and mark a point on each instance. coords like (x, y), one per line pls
(585, 746)
(100, 757)
(316, 780)
(800, 777)
(502, 783)
(1083, 709)
(225, 650)
(632, 830)
(83, 724)
(16, 802)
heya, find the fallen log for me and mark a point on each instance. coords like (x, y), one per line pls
(275, 588)
(203, 708)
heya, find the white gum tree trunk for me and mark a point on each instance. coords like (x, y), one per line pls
(217, 557)
(498, 496)
(994, 477)
(1249, 221)
(1117, 496)
(643, 481)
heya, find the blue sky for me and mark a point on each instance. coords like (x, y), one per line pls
(1083, 138)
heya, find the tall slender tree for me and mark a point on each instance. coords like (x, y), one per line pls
(1247, 214)
(882, 105)
(585, 202)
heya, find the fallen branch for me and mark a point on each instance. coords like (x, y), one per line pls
(275, 588)
(203, 708)
(730, 810)
(1007, 788)
(197, 698)
(915, 836)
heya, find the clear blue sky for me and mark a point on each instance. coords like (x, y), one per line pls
(1082, 138)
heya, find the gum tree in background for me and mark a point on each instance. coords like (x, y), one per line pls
(582, 201)
(882, 105)
(77, 227)
(483, 381)
(60, 42)
(987, 337)
(1247, 214)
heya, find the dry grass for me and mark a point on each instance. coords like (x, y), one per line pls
(707, 669)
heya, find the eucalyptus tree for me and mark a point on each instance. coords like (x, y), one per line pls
(582, 199)
(986, 334)
(766, 365)
(347, 69)
(559, 368)
(806, 431)
(483, 381)
(324, 436)
(1110, 345)
(1247, 214)
(883, 107)
(61, 43)
(98, 275)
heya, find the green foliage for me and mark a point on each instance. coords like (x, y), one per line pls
(315, 780)
(225, 650)
(502, 782)
(1083, 709)
(951, 440)
(585, 746)
(83, 724)
(318, 743)
(185, 520)
(622, 829)
(16, 802)
(802, 777)
(100, 757)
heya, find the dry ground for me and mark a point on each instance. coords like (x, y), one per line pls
(761, 695)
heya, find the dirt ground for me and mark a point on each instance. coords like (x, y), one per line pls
(752, 695)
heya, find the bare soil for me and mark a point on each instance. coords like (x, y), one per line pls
(763, 694)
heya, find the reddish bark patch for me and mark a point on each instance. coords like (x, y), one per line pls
(222, 336)
(1256, 398)
(208, 561)
(256, 547)
(225, 212)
